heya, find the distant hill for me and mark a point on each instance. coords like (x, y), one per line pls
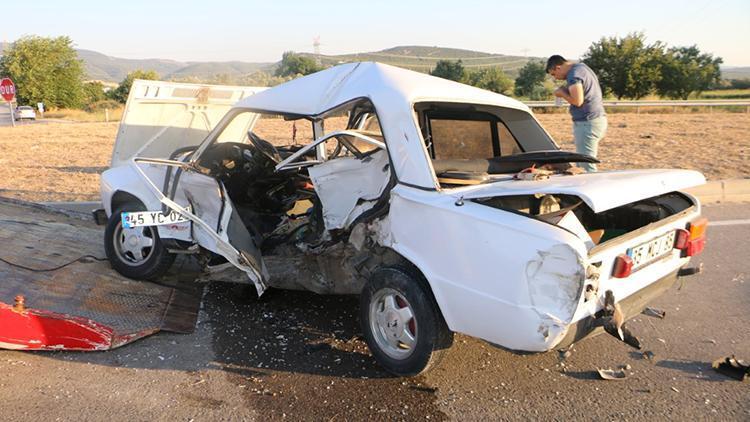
(735, 72)
(106, 68)
(99, 66)
(209, 70)
(423, 59)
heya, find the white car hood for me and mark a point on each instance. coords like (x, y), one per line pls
(600, 191)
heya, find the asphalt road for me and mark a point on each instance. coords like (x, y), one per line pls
(5, 116)
(295, 356)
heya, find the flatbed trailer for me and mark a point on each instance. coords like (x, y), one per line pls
(77, 302)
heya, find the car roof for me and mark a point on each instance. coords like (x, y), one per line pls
(385, 85)
(26, 107)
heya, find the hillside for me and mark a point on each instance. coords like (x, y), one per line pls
(113, 69)
(423, 59)
(735, 72)
(420, 58)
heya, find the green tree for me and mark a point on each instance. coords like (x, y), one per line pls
(122, 91)
(492, 79)
(685, 70)
(626, 67)
(93, 92)
(293, 64)
(45, 70)
(531, 75)
(448, 69)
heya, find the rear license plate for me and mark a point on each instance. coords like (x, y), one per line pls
(652, 250)
(150, 218)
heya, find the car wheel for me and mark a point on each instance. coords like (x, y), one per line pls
(136, 252)
(401, 322)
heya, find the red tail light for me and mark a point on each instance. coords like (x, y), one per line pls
(681, 239)
(692, 241)
(623, 266)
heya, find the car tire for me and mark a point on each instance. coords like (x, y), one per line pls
(401, 322)
(136, 253)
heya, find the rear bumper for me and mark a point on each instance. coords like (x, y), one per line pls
(630, 306)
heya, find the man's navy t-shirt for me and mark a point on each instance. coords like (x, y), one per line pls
(592, 93)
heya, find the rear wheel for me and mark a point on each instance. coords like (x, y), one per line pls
(401, 322)
(136, 252)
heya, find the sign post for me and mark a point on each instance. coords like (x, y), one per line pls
(8, 91)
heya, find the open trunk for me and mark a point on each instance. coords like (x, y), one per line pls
(597, 207)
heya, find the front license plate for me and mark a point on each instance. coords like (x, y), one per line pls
(150, 218)
(653, 249)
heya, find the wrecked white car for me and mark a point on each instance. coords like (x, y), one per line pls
(445, 207)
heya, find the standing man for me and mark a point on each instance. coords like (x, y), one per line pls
(585, 97)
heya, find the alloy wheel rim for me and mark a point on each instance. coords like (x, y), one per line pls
(393, 323)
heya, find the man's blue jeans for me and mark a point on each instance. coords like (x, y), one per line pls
(587, 135)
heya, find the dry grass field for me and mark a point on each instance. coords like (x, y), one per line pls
(62, 161)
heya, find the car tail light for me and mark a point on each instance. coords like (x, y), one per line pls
(681, 239)
(692, 240)
(623, 266)
(697, 228)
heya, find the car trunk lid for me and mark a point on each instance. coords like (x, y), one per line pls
(600, 191)
(161, 117)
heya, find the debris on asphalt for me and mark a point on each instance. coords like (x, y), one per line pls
(732, 367)
(654, 312)
(675, 389)
(563, 354)
(612, 375)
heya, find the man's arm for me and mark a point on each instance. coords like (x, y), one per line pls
(572, 94)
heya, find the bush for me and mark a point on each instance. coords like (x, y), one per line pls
(123, 90)
(102, 105)
(740, 83)
(447, 69)
(492, 79)
(531, 76)
(293, 64)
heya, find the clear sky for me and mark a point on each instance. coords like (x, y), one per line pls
(261, 31)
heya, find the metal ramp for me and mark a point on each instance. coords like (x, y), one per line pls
(84, 305)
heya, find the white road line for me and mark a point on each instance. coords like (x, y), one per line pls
(728, 223)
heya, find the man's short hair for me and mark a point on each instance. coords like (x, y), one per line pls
(556, 60)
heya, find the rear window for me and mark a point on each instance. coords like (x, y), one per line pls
(467, 131)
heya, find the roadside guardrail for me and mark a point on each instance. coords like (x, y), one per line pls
(662, 103)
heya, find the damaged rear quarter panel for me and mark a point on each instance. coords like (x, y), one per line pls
(506, 278)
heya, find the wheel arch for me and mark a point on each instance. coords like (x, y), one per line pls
(120, 198)
(400, 260)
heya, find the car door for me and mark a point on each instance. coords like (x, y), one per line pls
(216, 225)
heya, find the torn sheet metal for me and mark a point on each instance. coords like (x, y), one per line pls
(83, 306)
(66, 312)
(347, 186)
(555, 284)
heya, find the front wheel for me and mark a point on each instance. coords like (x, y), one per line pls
(401, 322)
(136, 252)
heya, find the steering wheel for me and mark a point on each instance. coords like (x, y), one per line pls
(264, 147)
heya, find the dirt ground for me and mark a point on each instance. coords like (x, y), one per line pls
(62, 161)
